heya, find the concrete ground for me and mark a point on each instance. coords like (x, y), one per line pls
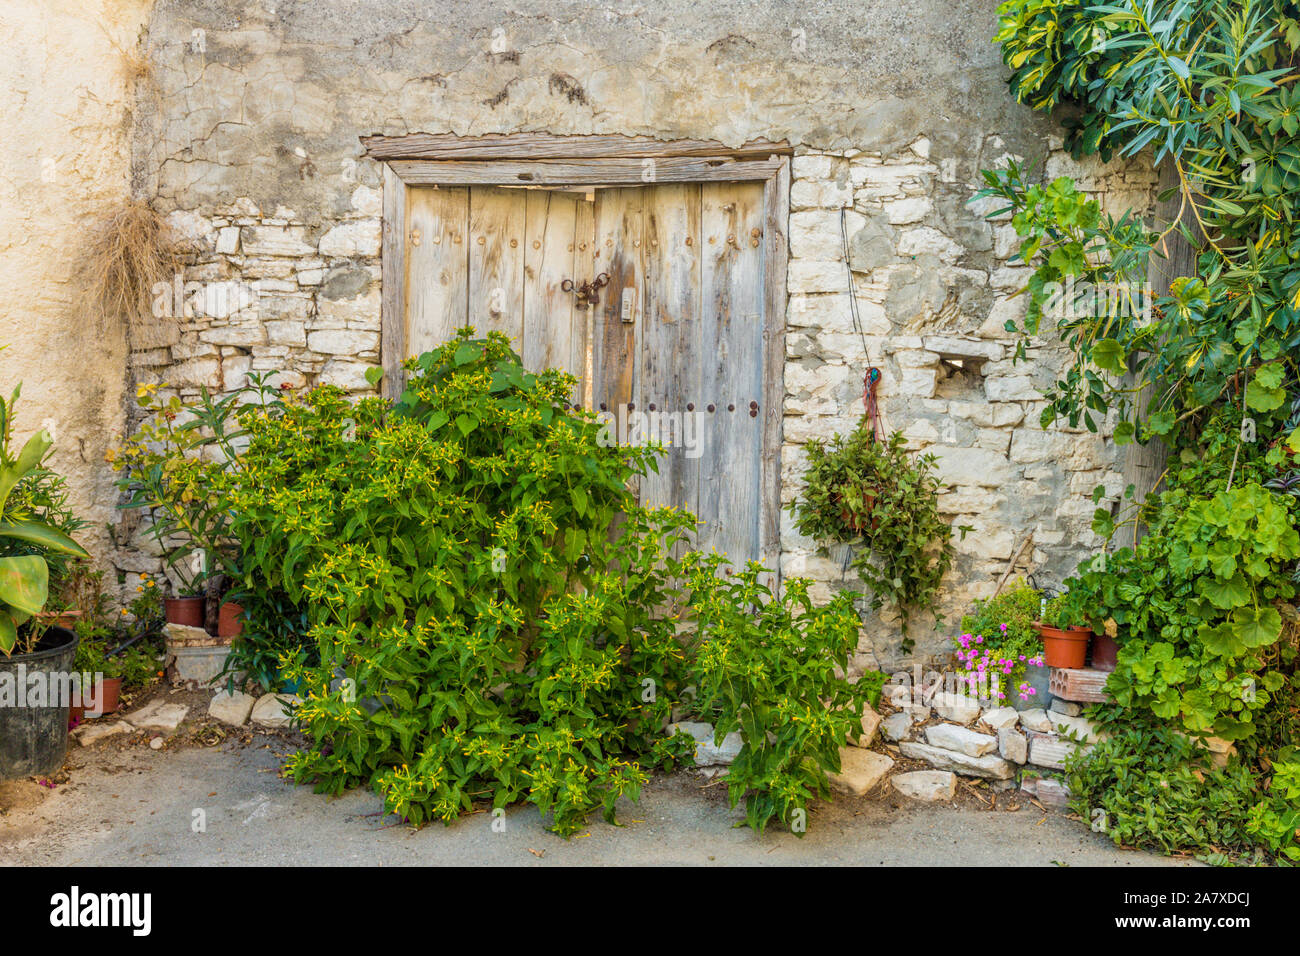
(129, 805)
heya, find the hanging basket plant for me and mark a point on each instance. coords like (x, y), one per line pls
(875, 495)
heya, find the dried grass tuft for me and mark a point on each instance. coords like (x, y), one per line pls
(128, 255)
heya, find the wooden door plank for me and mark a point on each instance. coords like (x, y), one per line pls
(436, 288)
(776, 253)
(548, 326)
(496, 261)
(617, 253)
(394, 333)
(731, 344)
(583, 248)
(669, 351)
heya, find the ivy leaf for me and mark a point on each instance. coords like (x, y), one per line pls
(1162, 422)
(1221, 640)
(1257, 627)
(1226, 593)
(1263, 399)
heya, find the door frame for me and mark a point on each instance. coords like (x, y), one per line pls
(545, 161)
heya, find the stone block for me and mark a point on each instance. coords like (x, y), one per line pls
(990, 766)
(231, 707)
(960, 739)
(926, 785)
(860, 770)
(956, 707)
(1012, 745)
(272, 710)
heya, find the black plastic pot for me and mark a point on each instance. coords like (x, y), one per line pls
(34, 740)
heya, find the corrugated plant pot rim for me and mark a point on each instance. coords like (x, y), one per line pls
(39, 655)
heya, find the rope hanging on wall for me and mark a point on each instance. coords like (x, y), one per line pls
(871, 380)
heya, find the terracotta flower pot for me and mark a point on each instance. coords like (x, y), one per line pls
(230, 621)
(67, 619)
(107, 695)
(1104, 652)
(1064, 647)
(184, 610)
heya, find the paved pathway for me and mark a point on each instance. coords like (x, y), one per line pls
(139, 807)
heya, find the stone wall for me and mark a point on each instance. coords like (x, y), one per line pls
(67, 93)
(249, 141)
(935, 287)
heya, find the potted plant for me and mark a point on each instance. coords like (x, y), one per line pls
(230, 619)
(33, 739)
(117, 654)
(999, 650)
(170, 468)
(1064, 631)
(874, 494)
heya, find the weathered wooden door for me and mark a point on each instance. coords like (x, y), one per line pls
(495, 259)
(679, 340)
(674, 346)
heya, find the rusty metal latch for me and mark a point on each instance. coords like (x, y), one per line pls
(588, 293)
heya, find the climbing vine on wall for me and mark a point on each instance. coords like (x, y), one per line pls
(1202, 607)
(1209, 87)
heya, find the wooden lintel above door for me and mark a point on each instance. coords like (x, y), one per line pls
(549, 146)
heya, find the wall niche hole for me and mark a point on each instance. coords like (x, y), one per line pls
(960, 377)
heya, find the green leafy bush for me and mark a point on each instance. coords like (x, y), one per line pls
(491, 616)
(137, 665)
(876, 495)
(478, 631)
(1202, 631)
(773, 668)
(1066, 610)
(1148, 785)
(1275, 821)
(1209, 85)
(172, 469)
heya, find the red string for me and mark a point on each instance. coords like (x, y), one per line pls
(869, 383)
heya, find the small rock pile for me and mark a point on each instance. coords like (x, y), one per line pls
(159, 716)
(954, 734)
(237, 708)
